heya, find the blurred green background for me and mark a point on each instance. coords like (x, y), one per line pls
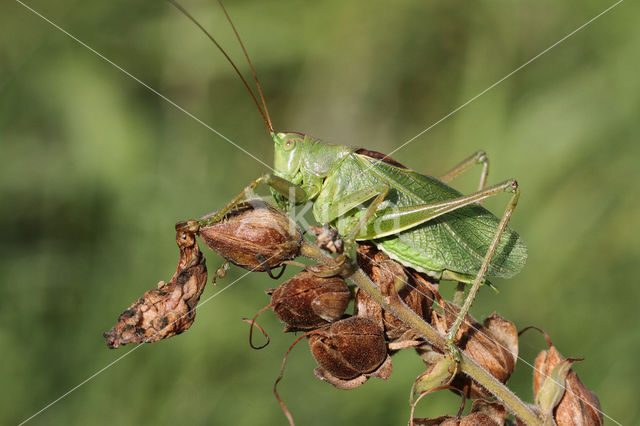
(95, 170)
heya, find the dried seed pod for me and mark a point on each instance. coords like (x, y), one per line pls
(483, 413)
(306, 301)
(494, 345)
(559, 392)
(383, 271)
(252, 234)
(472, 419)
(168, 310)
(349, 352)
(493, 410)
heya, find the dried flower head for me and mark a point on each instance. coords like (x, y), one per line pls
(252, 234)
(349, 352)
(560, 393)
(482, 413)
(168, 310)
(306, 301)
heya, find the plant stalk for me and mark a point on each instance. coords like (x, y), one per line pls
(400, 310)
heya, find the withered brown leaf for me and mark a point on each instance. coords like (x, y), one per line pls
(576, 404)
(168, 310)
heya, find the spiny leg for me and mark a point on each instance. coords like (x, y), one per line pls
(478, 157)
(349, 242)
(295, 195)
(280, 185)
(451, 335)
(383, 191)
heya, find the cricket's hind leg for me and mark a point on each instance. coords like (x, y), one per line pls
(451, 335)
(392, 220)
(478, 157)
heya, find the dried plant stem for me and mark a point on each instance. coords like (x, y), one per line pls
(468, 365)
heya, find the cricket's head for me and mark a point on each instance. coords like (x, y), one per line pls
(306, 161)
(288, 149)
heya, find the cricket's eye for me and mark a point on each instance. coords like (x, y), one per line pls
(289, 144)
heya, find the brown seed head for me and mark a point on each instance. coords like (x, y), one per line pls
(350, 351)
(306, 301)
(482, 413)
(558, 390)
(472, 419)
(252, 230)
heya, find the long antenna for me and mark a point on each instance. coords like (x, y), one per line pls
(267, 121)
(253, 71)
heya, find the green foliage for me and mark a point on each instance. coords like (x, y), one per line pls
(95, 170)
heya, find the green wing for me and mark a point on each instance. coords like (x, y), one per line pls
(456, 241)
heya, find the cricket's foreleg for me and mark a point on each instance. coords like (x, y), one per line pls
(382, 191)
(346, 262)
(335, 211)
(281, 186)
(478, 157)
(451, 335)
